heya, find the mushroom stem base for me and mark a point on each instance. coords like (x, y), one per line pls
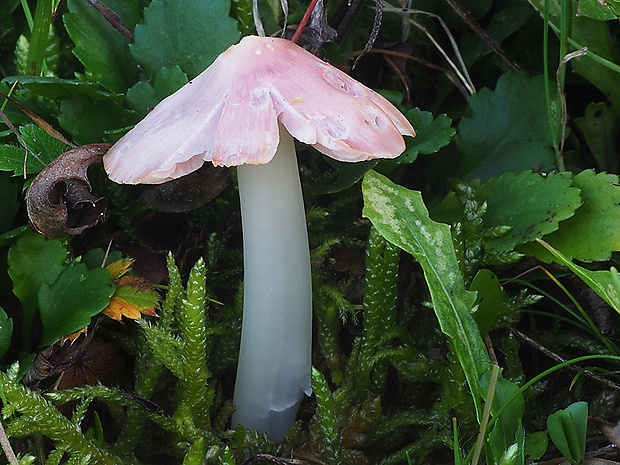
(274, 361)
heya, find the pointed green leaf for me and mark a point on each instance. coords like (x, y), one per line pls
(402, 218)
(567, 430)
(103, 50)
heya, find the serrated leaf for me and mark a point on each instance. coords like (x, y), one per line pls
(188, 33)
(118, 308)
(103, 51)
(532, 204)
(76, 295)
(402, 218)
(431, 134)
(133, 295)
(594, 232)
(143, 96)
(132, 298)
(491, 137)
(42, 150)
(119, 267)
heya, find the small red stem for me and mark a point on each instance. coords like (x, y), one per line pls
(304, 21)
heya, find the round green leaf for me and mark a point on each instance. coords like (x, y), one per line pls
(68, 304)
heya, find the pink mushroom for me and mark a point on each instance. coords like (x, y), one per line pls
(244, 111)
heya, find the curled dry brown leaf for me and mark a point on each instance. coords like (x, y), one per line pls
(57, 208)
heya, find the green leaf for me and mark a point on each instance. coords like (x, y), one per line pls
(138, 297)
(536, 444)
(42, 150)
(195, 453)
(347, 174)
(600, 126)
(226, 457)
(89, 121)
(53, 87)
(593, 233)
(531, 204)
(6, 332)
(188, 33)
(33, 261)
(510, 455)
(402, 218)
(68, 304)
(567, 430)
(143, 95)
(94, 258)
(431, 135)
(505, 129)
(596, 36)
(9, 237)
(491, 297)
(595, 9)
(101, 48)
(504, 432)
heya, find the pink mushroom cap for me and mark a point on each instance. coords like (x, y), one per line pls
(229, 115)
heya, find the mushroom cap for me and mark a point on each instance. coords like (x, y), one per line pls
(229, 115)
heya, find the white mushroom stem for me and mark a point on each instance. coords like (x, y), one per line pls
(274, 360)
